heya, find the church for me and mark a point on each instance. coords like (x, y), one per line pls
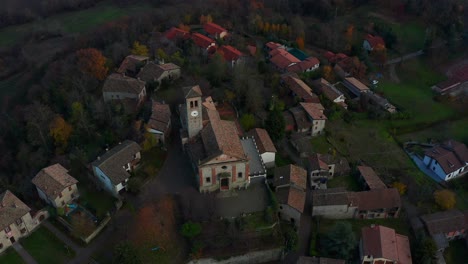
(213, 144)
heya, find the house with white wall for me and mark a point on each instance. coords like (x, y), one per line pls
(114, 167)
(448, 160)
(265, 146)
(55, 186)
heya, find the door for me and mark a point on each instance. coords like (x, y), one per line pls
(225, 184)
(12, 240)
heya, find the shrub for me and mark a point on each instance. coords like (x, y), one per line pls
(191, 229)
(445, 199)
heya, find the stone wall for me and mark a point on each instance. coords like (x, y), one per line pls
(249, 258)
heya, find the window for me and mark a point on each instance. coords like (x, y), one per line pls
(433, 168)
(330, 173)
(63, 203)
(60, 195)
(281, 207)
(239, 175)
(69, 188)
(7, 229)
(224, 167)
(1, 245)
(23, 230)
(208, 179)
(191, 104)
(19, 221)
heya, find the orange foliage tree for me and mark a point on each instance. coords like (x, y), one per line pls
(60, 130)
(300, 42)
(349, 35)
(92, 62)
(328, 73)
(401, 187)
(184, 27)
(380, 54)
(445, 199)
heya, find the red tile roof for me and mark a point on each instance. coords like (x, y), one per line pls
(282, 58)
(445, 222)
(300, 88)
(382, 242)
(263, 140)
(221, 137)
(314, 110)
(174, 33)
(371, 178)
(272, 45)
(213, 29)
(451, 155)
(290, 174)
(202, 41)
(11, 209)
(375, 40)
(292, 196)
(304, 65)
(252, 49)
(230, 53)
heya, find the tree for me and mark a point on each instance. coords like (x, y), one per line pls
(60, 131)
(92, 62)
(424, 249)
(401, 187)
(216, 70)
(191, 229)
(275, 125)
(328, 73)
(380, 54)
(300, 42)
(139, 49)
(38, 118)
(445, 199)
(247, 121)
(125, 253)
(349, 35)
(209, 19)
(340, 241)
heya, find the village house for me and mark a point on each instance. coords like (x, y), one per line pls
(381, 102)
(215, 30)
(131, 64)
(290, 184)
(55, 186)
(453, 86)
(369, 178)
(333, 203)
(177, 33)
(205, 43)
(380, 244)
(319, 260)
(15, 220)
(334, 58)
(121, 88)
(448, 160)
(159, 123)
(230, 54)
(213, 145)
(323, 167)
(265, 146)
(316, 116)
(446, 226)
(114, 167)
(156, 72)
(355, 86)
(371, 42)
(338, 203)
(298, 88)
(284, 61)
(323, 87)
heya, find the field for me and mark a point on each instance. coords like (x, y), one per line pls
(72, 22)
(446, 129)
(45, 248)
(347, 181)
(11, 257)
(8, 87)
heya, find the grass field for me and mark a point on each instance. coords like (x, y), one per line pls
(45, 248)
(410, 36)
(449, 129)
(347, 181)
(72, 22)
(414, 95)
(11, 257)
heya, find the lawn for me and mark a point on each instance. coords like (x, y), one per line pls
(347, 181)
(45, 248)
(11, 257)
(456, 253)
(73, 22)
(320, 144)
(410, 36)
(99, 201)
(414, 95)
(440, 132)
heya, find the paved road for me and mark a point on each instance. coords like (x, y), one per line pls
(24, 254)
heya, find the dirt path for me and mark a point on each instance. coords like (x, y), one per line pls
(393, 74)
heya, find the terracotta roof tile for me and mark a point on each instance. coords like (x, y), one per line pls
(174, 33)
(382, 242)
(356, 83)
(230, 53)
(153, 71)
(202, 41)
(192, 91)
(325, 88)
(451, 155)
(273, 45)
(302, 66)
(290, 174)
(371, 178)
(11, 208)
(292, 196)
(263, 140)
(213, 29)
(300, 118)
(118, 83)
(378, 199)
(375, 40)
(53, 180)
(221, 137)
(282, 59)
(314, 110)
(300, 88)
(332, 196)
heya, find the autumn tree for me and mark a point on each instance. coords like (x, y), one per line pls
(328, 73)
(380, 54)
(202, 19)
(340, 241)
(349, 36)
(401, 187)
(60, 131)
(445, 199)
(209, 19)
(247, 121)
(92, 62)
(139, 49)
(184, 27)
(300, 42)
